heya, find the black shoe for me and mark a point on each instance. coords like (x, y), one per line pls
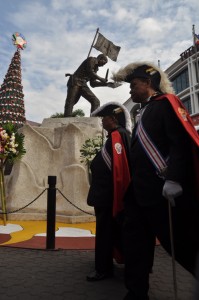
(95, 276)
(130, 296)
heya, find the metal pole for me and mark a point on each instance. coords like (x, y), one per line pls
(2, 192)
(172, 252)
(93, 42)
(51, 212)
(196, 54)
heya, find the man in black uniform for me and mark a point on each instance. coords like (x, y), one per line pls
(162, 170)
(110, 178)
(77, 83)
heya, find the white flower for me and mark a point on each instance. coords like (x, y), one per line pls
(90, 149)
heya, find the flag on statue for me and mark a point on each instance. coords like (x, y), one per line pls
(196, 39)
(107, 47)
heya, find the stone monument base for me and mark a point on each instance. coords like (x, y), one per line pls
(53, 149)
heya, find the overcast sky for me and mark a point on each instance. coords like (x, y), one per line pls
(59, 35)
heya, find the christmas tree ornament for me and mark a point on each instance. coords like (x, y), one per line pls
(19, 40)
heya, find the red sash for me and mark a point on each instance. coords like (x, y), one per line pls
(183, 116)
(187, 122)
(121, 173)
(121, 180)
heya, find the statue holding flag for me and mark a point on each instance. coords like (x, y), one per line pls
(87, 72)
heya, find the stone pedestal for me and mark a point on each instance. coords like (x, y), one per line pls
(53, 149)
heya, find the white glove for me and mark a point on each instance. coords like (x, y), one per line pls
(171, 190)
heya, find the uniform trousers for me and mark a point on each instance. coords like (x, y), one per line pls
(104, 240)
(141, 226)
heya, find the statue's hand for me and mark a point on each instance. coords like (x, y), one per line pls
(113, 85)
(103, 80)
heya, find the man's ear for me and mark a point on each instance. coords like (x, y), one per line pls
(148, 82)
(115, 120)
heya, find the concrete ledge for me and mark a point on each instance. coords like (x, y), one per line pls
(43, 217)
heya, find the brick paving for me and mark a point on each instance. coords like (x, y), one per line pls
(32, 274)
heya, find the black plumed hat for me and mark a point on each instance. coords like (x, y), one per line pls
(145, 70)
(115, 109)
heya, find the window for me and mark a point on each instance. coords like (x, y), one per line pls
(181, 82)
(187, 104)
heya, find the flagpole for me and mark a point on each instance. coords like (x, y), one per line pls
(196, 54)
(93, 42)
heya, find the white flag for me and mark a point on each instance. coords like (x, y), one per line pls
(107, 47)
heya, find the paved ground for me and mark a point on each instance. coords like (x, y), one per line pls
(60, 274)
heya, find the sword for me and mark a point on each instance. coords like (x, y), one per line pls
(106, 77)
(172, 249)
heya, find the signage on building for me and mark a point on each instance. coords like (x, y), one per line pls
(187, 53)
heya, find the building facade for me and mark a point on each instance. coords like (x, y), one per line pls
(184, 75)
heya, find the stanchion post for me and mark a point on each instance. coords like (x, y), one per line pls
(51, 212)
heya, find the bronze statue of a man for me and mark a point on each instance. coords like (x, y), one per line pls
(77, 83)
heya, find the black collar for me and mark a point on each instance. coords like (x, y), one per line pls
(150, 99)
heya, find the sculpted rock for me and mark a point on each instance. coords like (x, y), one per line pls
(53, 149)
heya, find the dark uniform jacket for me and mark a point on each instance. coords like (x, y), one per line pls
(167, 133)
(101, 189)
